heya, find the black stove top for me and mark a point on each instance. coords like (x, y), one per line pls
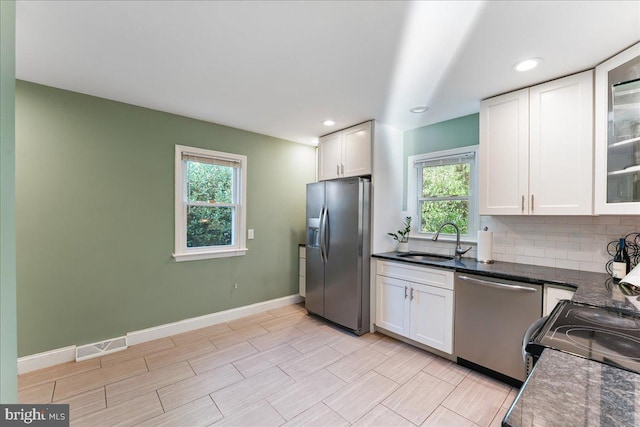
(604, 334)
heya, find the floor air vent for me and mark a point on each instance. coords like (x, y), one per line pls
(97, 349)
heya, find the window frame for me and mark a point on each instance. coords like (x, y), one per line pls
(414, 193)
(238, 247)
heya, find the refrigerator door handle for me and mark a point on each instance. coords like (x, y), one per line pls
(324, 241)
(321, 231)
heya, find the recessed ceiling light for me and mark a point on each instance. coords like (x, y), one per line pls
(314, 141)
(527, 64)
(328, 123)
(419, 109)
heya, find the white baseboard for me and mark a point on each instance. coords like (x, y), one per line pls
(68, 354)
(46, 359)
(150, 334)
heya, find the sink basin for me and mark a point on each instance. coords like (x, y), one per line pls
(421, 256)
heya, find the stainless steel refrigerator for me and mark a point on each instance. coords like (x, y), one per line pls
(338, 252)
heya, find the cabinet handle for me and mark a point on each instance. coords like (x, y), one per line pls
(532, 203)
(411, 294)
(342, 169)
(522, 203)
(405, 292)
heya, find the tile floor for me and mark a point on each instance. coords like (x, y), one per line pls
(280, 367)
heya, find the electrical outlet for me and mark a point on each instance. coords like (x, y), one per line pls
(235, 286)
(250, 234)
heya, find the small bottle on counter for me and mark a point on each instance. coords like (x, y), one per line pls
(621, 262)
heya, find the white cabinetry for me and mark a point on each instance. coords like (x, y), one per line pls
(617, 127)
(504, 154)
(302, 260)
(553, 294)
(536, 149)
(416, 302)
(345, 153)
(392, 311)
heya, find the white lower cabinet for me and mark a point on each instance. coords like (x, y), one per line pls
(392, 311)
(553, 294)
(302, 260)
(416, 302)
(432, 317)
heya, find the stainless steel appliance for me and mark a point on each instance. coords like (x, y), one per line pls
(338, 252)
(491, 317)
(604, 334)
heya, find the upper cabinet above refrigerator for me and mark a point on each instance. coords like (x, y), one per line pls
(617, 131)
(345, 153)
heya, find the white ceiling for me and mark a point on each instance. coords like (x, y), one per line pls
(280, 68)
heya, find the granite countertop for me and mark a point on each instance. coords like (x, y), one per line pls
(563, 390)
(591, 288)
(587, 394)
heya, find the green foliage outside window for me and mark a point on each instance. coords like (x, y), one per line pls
(445, 197)
(209, 225)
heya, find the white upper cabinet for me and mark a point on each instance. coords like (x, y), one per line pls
(536, 149)
(345, 153)
(561, 146)
(617, 127)
(504, 154)
(329, 156)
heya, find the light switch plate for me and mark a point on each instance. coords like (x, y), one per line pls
(250, 234)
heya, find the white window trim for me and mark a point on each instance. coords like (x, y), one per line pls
(182, 253)
(412, 197)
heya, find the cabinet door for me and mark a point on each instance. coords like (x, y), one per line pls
(561, 146)
(504, 154)
(617, 134)
(554, 294)
(329, 156)
(302, 259)
(392, 305)
(356, 150)
(432, 317)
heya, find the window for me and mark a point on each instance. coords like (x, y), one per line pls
(443, 189)
(210, 204)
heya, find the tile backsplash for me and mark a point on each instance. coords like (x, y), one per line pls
(573, 242)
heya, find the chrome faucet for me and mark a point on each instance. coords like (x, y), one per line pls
(459, 250)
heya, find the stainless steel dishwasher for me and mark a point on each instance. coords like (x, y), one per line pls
(491, 317)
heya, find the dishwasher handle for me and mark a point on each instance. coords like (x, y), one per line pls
(505, 286)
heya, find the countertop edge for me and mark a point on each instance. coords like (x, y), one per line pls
(591, 287)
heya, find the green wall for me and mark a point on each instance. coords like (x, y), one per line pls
(95, 228)
(8, 362)
(454, 133)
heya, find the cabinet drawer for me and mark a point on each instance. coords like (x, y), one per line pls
(425, 275)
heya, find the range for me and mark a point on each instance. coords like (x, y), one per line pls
(605, 334)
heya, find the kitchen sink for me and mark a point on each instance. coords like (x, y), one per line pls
(422, 256)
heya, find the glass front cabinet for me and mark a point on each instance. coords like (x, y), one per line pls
(617, 134)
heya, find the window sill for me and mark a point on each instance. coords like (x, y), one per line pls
(443, 238)
(194, 256)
